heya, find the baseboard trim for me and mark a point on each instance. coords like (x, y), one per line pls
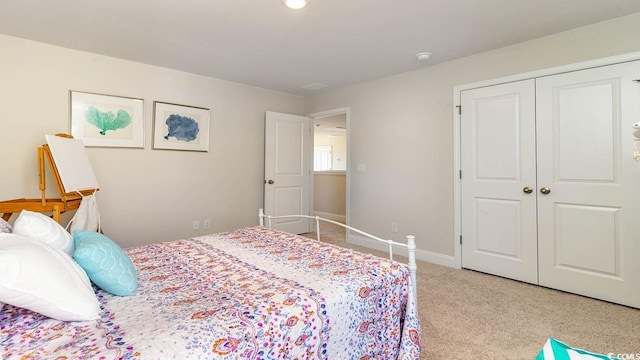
(422, 255)
(330, 216)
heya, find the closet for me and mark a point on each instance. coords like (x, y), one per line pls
(550, 184)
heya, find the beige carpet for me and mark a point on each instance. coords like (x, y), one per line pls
(470, 315)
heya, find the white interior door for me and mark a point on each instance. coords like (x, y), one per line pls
(499, 180)
(589, 221)
(287, 169)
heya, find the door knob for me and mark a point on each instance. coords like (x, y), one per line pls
(545, 190)
(270, 182)
(527, 190)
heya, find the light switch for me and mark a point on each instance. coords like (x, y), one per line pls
(361, 168)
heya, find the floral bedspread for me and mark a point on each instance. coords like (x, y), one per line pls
(251, 293)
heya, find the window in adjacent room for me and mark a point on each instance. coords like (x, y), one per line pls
(330, 144)
(322, 158)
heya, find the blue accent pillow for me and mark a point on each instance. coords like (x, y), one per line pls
(106, 264)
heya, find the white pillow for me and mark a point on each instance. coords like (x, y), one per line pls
(40, 227)
(37, 277)
(5, 227)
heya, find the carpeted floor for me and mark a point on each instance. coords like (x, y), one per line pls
(471, 315)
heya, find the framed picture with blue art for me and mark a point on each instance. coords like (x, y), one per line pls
(107, 120)
(180, 127)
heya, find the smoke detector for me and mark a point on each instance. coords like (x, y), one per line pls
(423, 56)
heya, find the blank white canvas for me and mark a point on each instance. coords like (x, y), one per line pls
(72, 161)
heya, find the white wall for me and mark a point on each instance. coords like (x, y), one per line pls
(402, 130)
(146, 195)
(329, 195)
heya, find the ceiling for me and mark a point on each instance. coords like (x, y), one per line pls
(262, 43)
(335, 125)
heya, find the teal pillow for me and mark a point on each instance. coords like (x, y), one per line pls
(554, 349)
(106, 264)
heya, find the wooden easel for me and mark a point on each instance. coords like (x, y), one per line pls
(67, 201)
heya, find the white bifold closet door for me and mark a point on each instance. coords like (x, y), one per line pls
(583, 234)
(589, 222)
(499, 179)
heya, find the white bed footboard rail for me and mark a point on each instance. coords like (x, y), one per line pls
(410, 245)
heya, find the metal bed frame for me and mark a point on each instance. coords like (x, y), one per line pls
(410, 245)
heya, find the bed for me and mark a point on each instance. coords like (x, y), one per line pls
(250, 293)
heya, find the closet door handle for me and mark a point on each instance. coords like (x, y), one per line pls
(545, 190)
(527, 190)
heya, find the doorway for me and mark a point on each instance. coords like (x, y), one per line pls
(330, 167)
(289, 157)
(330, 180)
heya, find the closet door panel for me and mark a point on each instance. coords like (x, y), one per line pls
(586, 131)
(602, 254)
(588, 218)
(498, 162)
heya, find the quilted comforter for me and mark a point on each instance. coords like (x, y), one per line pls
(252, 293)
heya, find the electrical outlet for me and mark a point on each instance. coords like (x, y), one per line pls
(195, 225)
(207, 223)
(394, 227)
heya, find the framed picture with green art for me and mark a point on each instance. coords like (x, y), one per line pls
(107, 120)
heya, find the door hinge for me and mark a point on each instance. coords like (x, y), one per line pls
(459, 109)
(460, 174)
(460, 239)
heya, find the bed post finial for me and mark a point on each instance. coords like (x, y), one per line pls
(411, 248)
(261, 216)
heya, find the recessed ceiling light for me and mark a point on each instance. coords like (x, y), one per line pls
(422, 56)
(296, 4)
